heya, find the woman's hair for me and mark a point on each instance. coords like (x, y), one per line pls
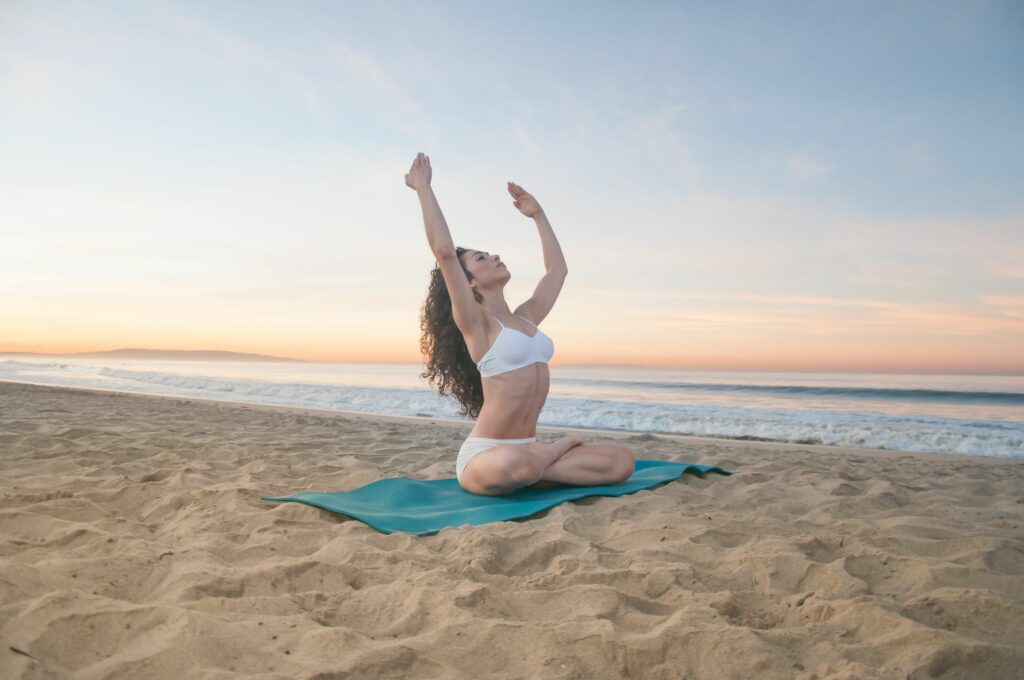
(449, 365)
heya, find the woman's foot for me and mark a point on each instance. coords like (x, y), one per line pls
(549, 453)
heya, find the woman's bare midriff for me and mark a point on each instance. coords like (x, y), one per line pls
(512, 400)
(512, 403)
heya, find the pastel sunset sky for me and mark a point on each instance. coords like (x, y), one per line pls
(777, 186)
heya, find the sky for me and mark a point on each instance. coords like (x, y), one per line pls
(820, 186)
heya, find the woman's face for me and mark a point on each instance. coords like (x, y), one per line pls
(486, 268)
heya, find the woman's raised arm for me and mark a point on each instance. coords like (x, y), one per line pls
(528, 205)
(438, 236)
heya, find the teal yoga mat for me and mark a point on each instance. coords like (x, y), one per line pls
(421, 507)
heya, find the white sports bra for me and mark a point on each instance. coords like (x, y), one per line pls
(514, 349)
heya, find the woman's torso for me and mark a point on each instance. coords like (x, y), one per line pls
(512, 400)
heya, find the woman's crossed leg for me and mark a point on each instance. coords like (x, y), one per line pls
(507, 467)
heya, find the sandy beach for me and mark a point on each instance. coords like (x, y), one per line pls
(135, 545)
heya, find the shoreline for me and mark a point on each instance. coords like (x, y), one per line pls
(550, 429)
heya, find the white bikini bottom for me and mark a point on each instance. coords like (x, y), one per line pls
(475, 445)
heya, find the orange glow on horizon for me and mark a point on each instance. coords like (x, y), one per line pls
(1007, 362)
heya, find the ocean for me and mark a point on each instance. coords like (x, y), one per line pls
(967, 414)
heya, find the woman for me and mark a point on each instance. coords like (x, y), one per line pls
(495, 361)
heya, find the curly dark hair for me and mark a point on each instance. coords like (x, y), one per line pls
(449, 365)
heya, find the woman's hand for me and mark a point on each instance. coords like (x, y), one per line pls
(526, 203)
(419, 174)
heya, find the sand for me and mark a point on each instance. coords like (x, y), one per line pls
(134, 545)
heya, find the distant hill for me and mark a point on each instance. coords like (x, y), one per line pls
(164, 355)
(604, 366)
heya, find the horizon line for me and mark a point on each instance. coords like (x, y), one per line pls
(277, 359)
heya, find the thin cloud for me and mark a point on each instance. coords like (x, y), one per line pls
(804, 168)
(875, 320)
(232, 46)
(363, 66)
(411, 117)
(249, 53)
(810, 300)
(1008, 305)
(47, 67)
(526, 141)
(622, 130)
(827, 315)
(662, 120)
(1006, 269)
